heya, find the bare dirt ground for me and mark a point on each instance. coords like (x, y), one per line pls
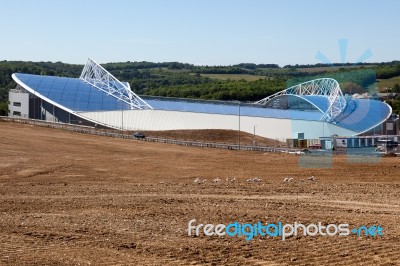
(69, 198)
(216, 136)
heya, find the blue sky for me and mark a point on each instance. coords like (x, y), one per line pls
(213, 32)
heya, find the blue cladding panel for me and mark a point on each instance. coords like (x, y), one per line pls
(361, 114)
(229, 109)
(72, 93)
(320, 101)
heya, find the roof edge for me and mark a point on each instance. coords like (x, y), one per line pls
(381, 122)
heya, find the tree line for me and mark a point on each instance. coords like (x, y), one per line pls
(241, 90)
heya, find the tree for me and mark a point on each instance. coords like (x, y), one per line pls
(3, 108)
(396, 88)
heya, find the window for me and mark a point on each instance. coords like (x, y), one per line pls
(17, 104)
(17, 113)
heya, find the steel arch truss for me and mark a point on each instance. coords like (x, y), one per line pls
(97, 76)
(319, 87)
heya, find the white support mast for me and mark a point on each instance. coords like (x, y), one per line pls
(97, 76)
(327, 87)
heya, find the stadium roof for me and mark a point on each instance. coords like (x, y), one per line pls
(71, 93)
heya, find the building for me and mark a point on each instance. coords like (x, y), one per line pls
(18, 103)
(309, 110)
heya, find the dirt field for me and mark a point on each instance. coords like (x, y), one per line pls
(68, 198)
(216, 136)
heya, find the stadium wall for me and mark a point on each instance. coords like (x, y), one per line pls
(274, 128)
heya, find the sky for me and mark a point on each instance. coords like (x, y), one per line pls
(201, 32)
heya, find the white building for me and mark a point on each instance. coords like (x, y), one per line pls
(18, 103)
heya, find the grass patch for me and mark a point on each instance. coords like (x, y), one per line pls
(233, 76)
(388, 83)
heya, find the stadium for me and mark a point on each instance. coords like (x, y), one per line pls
(312, 109)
